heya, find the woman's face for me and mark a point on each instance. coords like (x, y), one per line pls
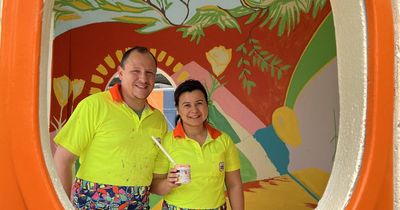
(193, 108)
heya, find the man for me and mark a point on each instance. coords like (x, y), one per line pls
(111, 133)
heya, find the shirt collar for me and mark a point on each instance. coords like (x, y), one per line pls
(117, 97)
(116, 94)
(179, 132)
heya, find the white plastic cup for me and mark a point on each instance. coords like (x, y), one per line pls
(183, 171)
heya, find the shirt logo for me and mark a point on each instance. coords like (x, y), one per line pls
(221, 166)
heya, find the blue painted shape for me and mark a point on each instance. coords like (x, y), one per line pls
(275, 148)
(278, 153)
(169, 108)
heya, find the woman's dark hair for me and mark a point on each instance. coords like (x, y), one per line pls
(138, 49)
(188, 86)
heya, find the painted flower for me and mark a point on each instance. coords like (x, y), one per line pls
(219, 58)
(286, 125)
(61, 89)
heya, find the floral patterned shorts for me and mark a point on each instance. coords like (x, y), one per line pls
(166, 206)
(91, 195)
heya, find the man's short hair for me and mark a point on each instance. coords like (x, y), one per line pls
(138, 49)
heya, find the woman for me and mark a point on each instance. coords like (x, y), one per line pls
(211, 154)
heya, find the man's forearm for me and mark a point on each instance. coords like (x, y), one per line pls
(65, 175)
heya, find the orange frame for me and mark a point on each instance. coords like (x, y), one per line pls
(374, 189)
(25, 181)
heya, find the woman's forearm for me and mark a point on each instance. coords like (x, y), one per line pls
(236, 199)
(233, 183)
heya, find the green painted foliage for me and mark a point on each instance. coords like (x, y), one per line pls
(137, 20)
(207, 16)
(284, 14)
(318, 5)
(261, 59)
(240, 11)
(258, 3)
(66, 7)
(81, 5)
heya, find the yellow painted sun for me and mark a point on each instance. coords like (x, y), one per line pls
(111, 61)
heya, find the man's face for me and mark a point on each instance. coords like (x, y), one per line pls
(138, 76)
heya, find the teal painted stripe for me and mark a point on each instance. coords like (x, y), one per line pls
(304, 187)
(320, 50)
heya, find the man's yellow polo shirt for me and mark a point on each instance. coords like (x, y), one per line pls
(208, 163)
(114, 146)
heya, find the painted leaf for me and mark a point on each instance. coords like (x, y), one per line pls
(257, 4)
(81, 5)
(240, 11)
(136, 20)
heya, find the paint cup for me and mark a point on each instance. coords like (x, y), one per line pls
(183, 171)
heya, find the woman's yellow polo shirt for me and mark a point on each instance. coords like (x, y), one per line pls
(208, 163)
(114, 145)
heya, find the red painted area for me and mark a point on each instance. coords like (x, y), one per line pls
(78, 52)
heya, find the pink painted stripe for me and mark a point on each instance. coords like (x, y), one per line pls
(224, 98)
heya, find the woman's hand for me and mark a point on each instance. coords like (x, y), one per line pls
(172, 177)
(163, 183)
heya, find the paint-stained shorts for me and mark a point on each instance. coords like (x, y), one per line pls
(90, 195)
(166, 206)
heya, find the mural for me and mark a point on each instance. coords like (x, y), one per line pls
(269, 68)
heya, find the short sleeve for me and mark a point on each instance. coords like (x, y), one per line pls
(161, 165)
(78, 131)
(232, 156)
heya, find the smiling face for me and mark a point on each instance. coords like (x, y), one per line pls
(137, 78)
(193, 108)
